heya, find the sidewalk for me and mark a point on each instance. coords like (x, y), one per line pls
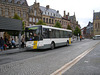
(16, 50)
(11, 51)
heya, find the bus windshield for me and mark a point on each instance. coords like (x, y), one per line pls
(33, 33)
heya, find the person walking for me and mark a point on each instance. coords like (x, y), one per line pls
(1, 43)
(80, 37)
(22, 45)
(13, 43)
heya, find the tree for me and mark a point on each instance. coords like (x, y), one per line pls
(40, 23)
(77, 31)
(69, 27)
(58, 25)
(16, 33)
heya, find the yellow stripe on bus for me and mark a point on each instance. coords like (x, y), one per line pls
(35, 45)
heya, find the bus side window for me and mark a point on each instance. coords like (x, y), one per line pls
(45, 33)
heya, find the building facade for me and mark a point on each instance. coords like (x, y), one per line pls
(50, 16)
(35, 14)
(89, 30)
(96, 23)
(32, 14)
(10, 7)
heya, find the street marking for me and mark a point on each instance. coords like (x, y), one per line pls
(73, 62)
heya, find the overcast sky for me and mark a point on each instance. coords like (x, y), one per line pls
(83, 8)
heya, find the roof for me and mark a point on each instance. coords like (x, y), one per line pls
(51, 27)
(51, 12)
(16, 1)
(96, 15)
(10, 24)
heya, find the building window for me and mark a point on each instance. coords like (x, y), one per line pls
(95, 25)
(0, 11)
(54, 14)
(30, 19)
(33, 19)
(12, 12)
(98, 25)
(29, 24)
(6, 12)
(43, 12)
(37, 20)
(48, 13)
(46, 20)
(18, 12)
(50, 21)
(43, 19)
(34, 12)
(24, 14)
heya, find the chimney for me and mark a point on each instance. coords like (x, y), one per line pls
(47, 7)
(38, 4)
(68, 13)
(64, 13)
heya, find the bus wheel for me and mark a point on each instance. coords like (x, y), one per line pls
(52, 46)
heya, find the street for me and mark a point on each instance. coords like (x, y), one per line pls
(46, 62)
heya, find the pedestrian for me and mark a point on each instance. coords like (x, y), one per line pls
(9, 44)
(80, 37)
(1, 43)
(5, 46)
(22, 45)
(6, 40)
(13, 43)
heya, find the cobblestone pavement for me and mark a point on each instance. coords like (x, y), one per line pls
(45, 64)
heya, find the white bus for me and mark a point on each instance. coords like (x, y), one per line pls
(96, 37)
(42, 37)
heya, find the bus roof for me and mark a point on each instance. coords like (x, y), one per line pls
(97, 35)
(51, 27)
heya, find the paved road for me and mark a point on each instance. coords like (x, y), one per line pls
(89, 65)
(41, 62)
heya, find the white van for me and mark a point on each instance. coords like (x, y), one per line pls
(96, 37)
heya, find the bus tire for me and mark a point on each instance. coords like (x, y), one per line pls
(52, 46)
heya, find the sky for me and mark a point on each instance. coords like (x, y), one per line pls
(83, 8)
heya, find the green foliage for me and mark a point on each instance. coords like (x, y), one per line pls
(69, 27)
(40, 23)
(58, 25)
(77, 31)
(16, 17)
(16, 33)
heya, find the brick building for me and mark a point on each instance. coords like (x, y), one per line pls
(9, 7)
(96, 23)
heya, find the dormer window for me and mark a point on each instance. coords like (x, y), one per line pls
(18, 2)
(23, 3)
(48, 13)
(54, 14)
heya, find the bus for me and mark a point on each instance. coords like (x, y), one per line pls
(43, 37)
(96, 37)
